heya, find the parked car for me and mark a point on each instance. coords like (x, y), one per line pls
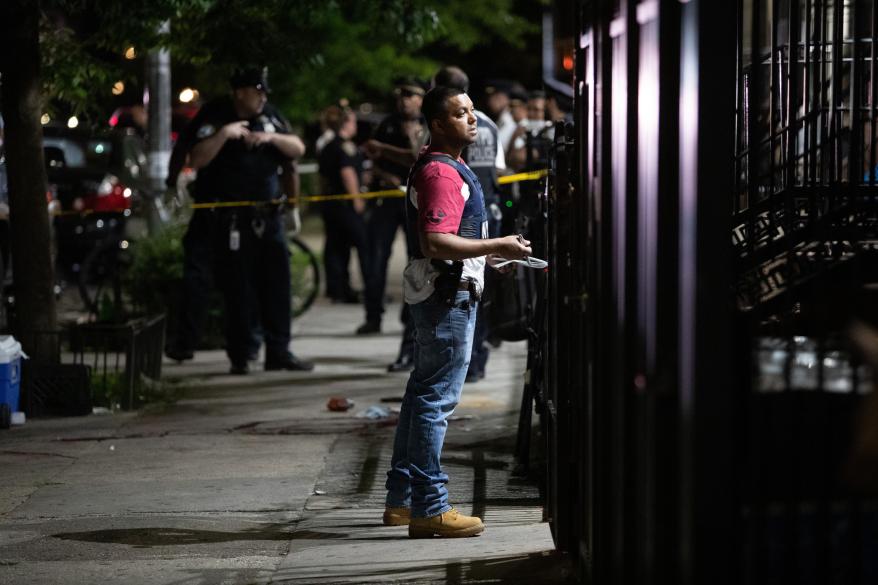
(97, 178)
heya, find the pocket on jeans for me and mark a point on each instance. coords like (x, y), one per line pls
(427, 316)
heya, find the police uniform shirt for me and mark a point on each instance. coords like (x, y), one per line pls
(391, 131)
(485, 156)
(239, 172)
(336, 155)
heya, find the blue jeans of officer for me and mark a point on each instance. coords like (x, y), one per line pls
(444, 336)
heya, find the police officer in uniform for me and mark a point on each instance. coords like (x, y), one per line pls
(393, 148)
(198, 251)
(341, 168)
(199, 254)
(240, 150)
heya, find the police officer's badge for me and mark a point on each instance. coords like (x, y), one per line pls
(205, 131)
(267, 124)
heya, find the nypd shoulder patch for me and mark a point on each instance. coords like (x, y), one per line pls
(205, 131)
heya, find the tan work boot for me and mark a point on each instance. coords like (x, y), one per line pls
(451, 524)
(397, 516)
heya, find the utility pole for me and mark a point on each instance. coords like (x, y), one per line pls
(158, 76)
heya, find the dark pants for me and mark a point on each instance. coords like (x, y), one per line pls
(345, 229)
(199, 245)
(479, 358)
(257, 274)
(384, 218)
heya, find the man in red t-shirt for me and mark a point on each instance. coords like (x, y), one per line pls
(443, 282)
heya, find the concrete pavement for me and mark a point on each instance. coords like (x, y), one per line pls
(252, 480)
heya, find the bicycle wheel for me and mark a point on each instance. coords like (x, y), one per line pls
(100, 280)
(304, 276)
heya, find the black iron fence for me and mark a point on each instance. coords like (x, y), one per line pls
(108, 365)
(713, 227)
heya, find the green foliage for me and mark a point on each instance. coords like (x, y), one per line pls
(156, 269)
(109, 389)
(318, 50)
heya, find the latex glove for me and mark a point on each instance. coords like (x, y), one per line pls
(173, 198)
(294, 221)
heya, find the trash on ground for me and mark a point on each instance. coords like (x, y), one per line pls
(339, 404)
(374, 412)
(101, 410)
(112, 447)
(319, 493)
(456, 417)
(17, 419)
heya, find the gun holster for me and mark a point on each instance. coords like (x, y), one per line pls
(448, 281)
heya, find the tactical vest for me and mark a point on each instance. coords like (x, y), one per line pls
(472, 219)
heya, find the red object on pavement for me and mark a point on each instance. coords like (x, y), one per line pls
(339, 404)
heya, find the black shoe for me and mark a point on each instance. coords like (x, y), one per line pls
(351, 297)
(369, 327)
(239, 369)
(474, 375)
(179, 355)
(288, 362)
(404, 363)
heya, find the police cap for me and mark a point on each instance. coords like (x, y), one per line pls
(250, 77)
(493, 86)
(517, 93)
(408, 86)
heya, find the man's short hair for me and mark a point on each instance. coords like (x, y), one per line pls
(451, 76)
(434, 105)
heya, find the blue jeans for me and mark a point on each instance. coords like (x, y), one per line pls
(443, 343)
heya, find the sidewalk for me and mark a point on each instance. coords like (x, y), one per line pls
(252, 480)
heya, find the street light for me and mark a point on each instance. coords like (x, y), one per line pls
(72, 122)
(188, 94)
(45, 119)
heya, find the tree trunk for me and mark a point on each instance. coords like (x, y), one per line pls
(32, 268)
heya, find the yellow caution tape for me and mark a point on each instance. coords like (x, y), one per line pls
(529, 176)
(86, 212)
(371, 195)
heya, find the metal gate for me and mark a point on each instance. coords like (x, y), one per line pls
(712, 221)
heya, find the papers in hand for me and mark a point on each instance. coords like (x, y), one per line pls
(530, 262)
